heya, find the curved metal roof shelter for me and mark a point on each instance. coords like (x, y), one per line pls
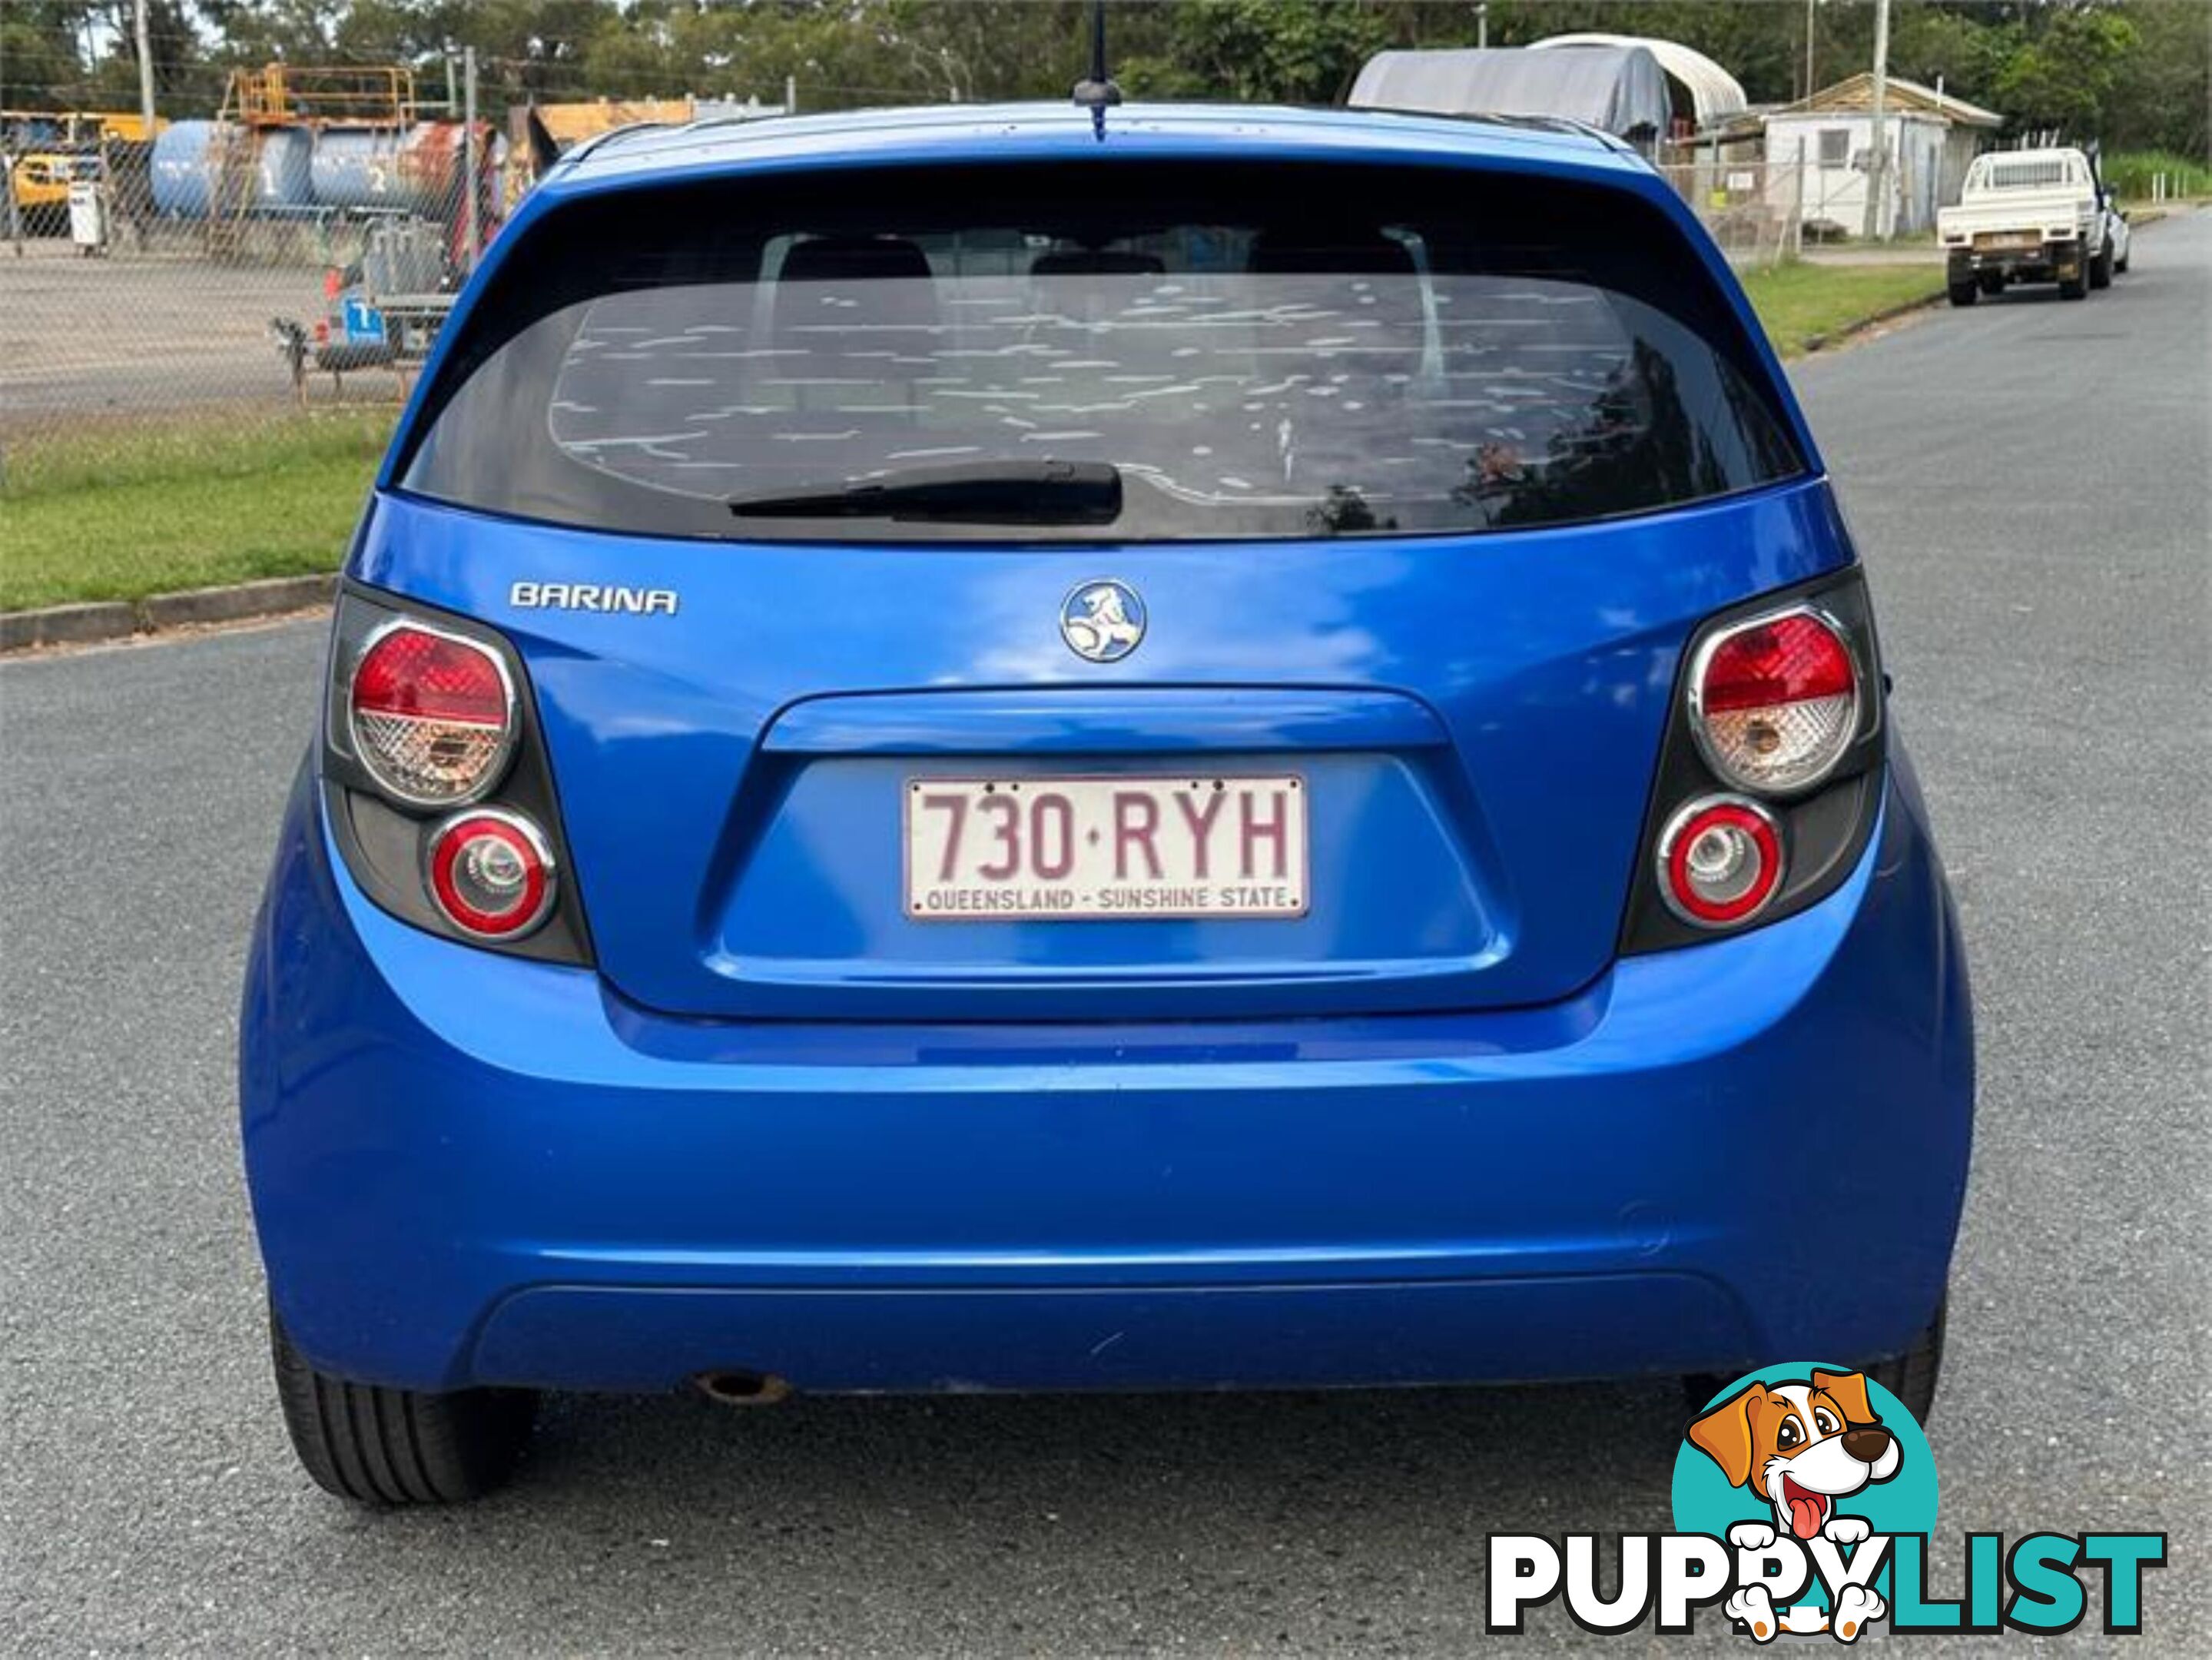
(1715, 92)
(1617, 90)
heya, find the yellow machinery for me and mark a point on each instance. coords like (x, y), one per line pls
(128, 126)
(291, 94)
(64, 146)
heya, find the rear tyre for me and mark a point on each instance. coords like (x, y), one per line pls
(1964, 293)
(386, 1446)
(1911, 1377)
(2076, 286)
(2100, 269)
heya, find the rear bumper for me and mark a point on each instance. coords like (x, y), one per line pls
(471, 1168)
(2046, 262)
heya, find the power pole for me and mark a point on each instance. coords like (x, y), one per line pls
(472, 232)
(1810, 85)
(1482, 25)
(1878, 164)
(145, 73)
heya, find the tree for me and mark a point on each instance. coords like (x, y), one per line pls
(40, 67)
(2161, 92)
(2134, 72)
(2062, 79)
(1262, 51)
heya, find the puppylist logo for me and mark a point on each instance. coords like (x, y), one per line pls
(1804, 1496)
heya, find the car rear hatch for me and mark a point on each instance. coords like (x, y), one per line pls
(1348, 700)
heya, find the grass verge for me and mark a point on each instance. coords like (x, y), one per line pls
(1803, 306)
(124, 510)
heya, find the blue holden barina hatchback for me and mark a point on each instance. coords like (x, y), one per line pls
(963, 751)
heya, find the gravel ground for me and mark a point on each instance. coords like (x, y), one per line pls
(128, 335)
(2029, 482)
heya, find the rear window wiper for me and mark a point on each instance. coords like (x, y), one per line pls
(1042, 492)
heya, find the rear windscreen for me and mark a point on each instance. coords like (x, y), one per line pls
(1295, 350)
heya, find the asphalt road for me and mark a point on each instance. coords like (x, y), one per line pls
(2029, 481)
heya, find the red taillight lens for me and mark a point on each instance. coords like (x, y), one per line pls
(1775, 702)
(432, 715)
(1720, 861)
(491, 875)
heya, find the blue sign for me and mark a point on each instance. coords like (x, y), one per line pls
(364, 324)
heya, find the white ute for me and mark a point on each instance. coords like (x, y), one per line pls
(2027, 217)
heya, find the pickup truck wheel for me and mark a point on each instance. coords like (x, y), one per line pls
(2100, 269)
(1964, 293)
(383, 1446)
(2076, 286)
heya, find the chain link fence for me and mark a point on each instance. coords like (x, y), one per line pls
(294, 247)
(1754, 208)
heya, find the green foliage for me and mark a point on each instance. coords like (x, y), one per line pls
(2130, 173)
(2061, 79)
(1301, 52)
(42, 64)
(2159, 98)
(1965, 52)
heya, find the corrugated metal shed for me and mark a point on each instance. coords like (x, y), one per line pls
(1857, 92)
(1618, 89)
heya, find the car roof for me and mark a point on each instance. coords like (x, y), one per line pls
(957, 133)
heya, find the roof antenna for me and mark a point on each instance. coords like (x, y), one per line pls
(1096, 92)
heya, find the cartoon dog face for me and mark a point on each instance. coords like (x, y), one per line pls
(1800, 1446)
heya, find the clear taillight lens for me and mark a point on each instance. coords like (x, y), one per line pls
(491, 873)
(432, 715)
(1775, 702)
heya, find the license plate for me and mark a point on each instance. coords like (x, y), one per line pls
(1087, 850)
(2010, 240)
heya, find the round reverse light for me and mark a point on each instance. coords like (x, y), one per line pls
(1720, 860)
(1775, 702)
(431, 715)
(490, 874)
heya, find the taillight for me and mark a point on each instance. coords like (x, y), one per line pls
(1774, 703)
(1720, 860)
(438, 789)
(1770, 777)
(432, 715)
(491, 873)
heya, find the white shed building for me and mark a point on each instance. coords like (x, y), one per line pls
(1830, 139)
